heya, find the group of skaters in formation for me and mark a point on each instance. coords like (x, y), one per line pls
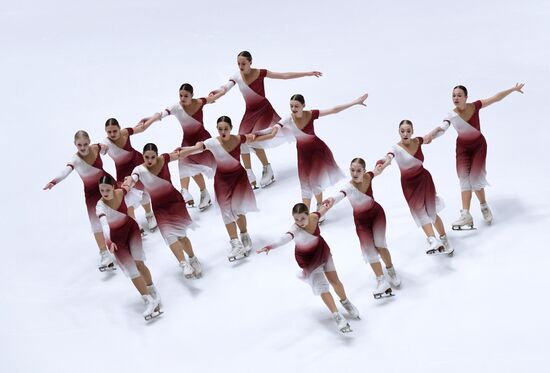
(144, 179)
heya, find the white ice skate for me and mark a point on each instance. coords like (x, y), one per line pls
(206, 201)
(154, 293)
(434, 246)
(353, 312)
(187, 197)
(251, 178)
(487, 214)
(237, 250)
(465, 222)
(267, 176)
(151, 221)
(448, 249)
(341, 322)
(247, 242)
(187, 269)
(383, 288)
(152, 307)
(393, 277)
(197, 267)
(106, 262)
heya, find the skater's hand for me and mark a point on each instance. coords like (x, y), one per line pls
(265, 249)
(361, 100)
(49, 186)
(250, 137)
(518, 87)
(328, 203)
(142, 121)
(316, 74)
(111, 246)
(428, 139)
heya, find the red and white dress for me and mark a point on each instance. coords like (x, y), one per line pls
(317, 168)
(193, 132)
(124, 232)
(418, 186)
(259, 114)
(90, 175)
(168, 205)
(231, 186)
(312, 254)
(471, 149)
(126, 159)
(370, 220)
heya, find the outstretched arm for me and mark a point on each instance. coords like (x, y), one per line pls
(267, 136)
(499, 96)
(331, 201)
(437, 131)
(145, 123)
(223, 89)
(285, 238)
(185, 151)
(382, 164)
(213, 97)
(62, 175)
(339, 108)
(273, 75)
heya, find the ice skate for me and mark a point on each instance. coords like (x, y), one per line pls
(206, 201)
(187, 197)
(487, 214)
(143, 233)
(383, 288)
(393, 277)
(341, 322)
(465, 222)
(251, 178)
(154, 293)
(267, 176)
(352, 311)
(152, 307)
(247, 242)
(447, 248)
(151, 221)
(106, 262)
(434, 246)
(197, 267)
(187, 269)
(237, 250)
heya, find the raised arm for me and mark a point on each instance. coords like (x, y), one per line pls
(339, 108)
(273, 75)
(62, 175)
(499, 96)
(283, 240)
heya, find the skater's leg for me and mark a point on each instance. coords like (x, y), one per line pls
(386, 256)
(319, 199)
(466, 199)
(246, 160)
(199, 179)
(439, 226)
(145, 273)
(428, 229)
(241, 222)
(260, 153)
(147, 207)
(307, 202)
(377, 268)
(100, 240)
(329, 301)
(187, 247)
(336, 284)
(140, 285)
(231, 230)
(480, 194)
(184, 182)
(131, 213)
(177, 249)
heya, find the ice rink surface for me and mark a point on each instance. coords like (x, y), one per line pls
(71, 65)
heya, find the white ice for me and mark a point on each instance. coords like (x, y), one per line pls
(68, 65)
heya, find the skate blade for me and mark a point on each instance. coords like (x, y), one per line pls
(198, 275)
(463, 228)
(190, 204)
(109, 268)
(388, 293)
(201, 209)
(189, 276)
(346, 330)
(268, 184)
(153, 315)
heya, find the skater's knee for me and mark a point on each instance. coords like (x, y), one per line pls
(371, 256)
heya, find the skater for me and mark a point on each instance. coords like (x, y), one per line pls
(89, 166)
(188, 112)
(418, 187)
(313, 255)
(259, 114)
(168, 206)
(370, 225)
(126, 158)
(233, 191)
(123, 238)
(317, 169)
(471, 151)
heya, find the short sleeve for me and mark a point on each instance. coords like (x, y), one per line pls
(420, 140)
(100, 209)
(243, 139)
(292, 231)
(478, 105)
(263, 73)
(166, 157)
(168, 111)
(203, 100)
(314, 114)
(371, 174)
(208, 143)
(130, 131)
(346, 189)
